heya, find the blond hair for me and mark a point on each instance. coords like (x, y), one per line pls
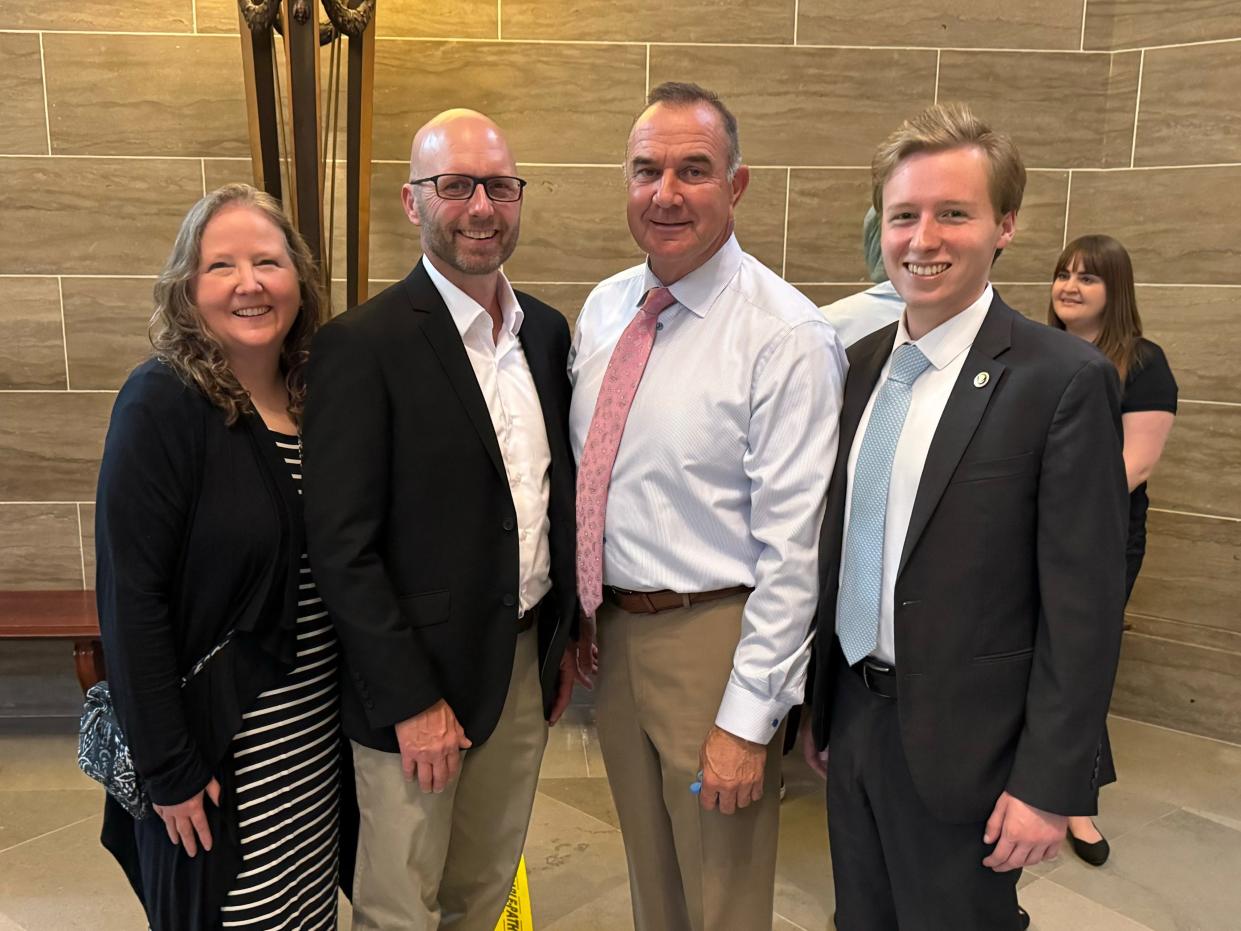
(947, 126)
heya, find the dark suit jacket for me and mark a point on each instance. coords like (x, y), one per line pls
(1009, 600)
(411, 525)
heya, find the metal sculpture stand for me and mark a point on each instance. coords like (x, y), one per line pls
(300, 147)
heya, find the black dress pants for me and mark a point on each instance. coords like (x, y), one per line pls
(896, 866)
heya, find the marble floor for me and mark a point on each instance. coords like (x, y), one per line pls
(1174, 822)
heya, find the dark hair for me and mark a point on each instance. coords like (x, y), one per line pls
(686, 94)
(177, 333)
(1121, 326)
(947, 126)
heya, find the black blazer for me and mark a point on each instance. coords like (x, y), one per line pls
(197, 531)
(411, 524)
(1010, 594)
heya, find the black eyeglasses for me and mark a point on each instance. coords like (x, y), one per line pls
(501, 188)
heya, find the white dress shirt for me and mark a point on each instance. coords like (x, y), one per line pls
(723, 466)
(513, 403)
(946, 347)
(860, 314)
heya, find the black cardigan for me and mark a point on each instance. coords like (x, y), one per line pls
(197, 531)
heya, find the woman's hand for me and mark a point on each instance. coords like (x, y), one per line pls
(187, 821)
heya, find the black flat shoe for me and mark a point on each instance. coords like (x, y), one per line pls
(1023, 918)
(1095, 854)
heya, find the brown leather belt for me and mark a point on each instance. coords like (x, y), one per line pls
(654, 602)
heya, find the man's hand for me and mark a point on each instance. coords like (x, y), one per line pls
(431, 743)
(816, 759)
(587, 653)
(186, 823)
(564, 691)
(1023, 835)
(732, 771)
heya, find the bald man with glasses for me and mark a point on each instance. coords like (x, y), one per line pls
(440, 518)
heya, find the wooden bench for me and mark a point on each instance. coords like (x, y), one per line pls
(57, 615)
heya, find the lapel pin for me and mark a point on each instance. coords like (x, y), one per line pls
(981, 379)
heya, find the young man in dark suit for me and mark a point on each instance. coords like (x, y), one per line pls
(439, 511)
(972, 562)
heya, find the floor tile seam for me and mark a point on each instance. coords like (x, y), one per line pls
(1118, 835)
(552, 798)
(1137, 925)
(1173, 730)
(1223, 821)
(789, 920)
(45, 834)
(17, 925)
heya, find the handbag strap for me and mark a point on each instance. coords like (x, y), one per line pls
(198, 667)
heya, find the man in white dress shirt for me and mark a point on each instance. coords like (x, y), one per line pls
(705, 565)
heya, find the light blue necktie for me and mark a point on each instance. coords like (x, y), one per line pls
(857, 605)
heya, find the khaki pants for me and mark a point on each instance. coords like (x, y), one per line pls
(428, 861)
(661, 678)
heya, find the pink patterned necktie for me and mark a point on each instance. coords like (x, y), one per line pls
(594, 472)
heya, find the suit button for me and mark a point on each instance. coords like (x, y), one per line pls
(509, 600)
(508, 523)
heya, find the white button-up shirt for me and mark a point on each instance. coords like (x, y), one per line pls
(513, 403)
(946, 347)
(723, 466)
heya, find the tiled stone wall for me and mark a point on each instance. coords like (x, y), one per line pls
(114, 117)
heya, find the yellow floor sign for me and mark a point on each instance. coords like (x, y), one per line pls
(516, 916)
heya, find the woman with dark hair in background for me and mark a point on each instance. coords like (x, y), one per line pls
(221, 659)
(1092, 296)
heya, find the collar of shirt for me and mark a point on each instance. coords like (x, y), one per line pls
(698, 290)
(952, 337)
(466, 311)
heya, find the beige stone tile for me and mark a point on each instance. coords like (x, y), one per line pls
(86, 514)
(106, 328)
(826, 207)
(1175, 767)
(760, 217)
(441, 19)
(21, 96)
(40, 754)
(572, 860)
(1112, 24)
(954, 23)
(68, 882)
(565, 756)
(573, 226)
(217, 16)
(50, 445)
(556, 103)
(609, 911)
(765, 21)
(218, 172)
(1189, 573)
(807, 106)
(102, 15)
(566, 298)
(1029, 299)
(804, 894)
(1190, 109)
(591, 796)
(1055, 908)
(26, 815)
(1034, 96)
(1177, 873)
(1040, 229)
(824, 294)
(1179, 685)
(1197, 328)
(1179, 224)
(1189, 477)
(41, 546)
(92, 216)
(117, 95)
(32, 347)
(1216, 638)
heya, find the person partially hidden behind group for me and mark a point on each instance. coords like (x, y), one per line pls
(1093, 297)
(201, 563)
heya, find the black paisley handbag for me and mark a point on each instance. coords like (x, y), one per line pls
(103, 751)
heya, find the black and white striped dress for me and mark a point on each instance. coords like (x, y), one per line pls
(288, 781)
